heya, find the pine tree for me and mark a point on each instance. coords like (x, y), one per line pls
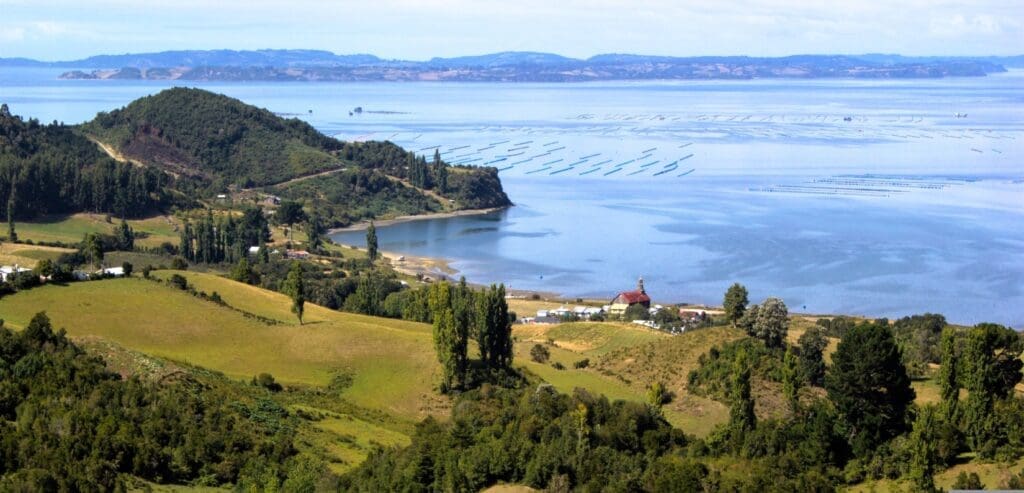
(812, 356)
(791, 380)
(869, 386)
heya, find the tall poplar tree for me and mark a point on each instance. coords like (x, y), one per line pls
(295, 287)
(371, 242)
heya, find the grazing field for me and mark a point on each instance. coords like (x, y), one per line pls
(27, 255)
(613, 350)
(71, 229)
(345, 440)
(993, 475)
(391, 362)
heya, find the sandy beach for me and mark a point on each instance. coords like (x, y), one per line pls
(419, 217)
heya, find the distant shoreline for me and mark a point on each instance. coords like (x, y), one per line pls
(363, 225)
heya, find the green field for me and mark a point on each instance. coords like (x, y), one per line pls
(614, 351)
(27, 255)
(155, 319)
(71, 229)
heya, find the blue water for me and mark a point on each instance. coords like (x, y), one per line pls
(903, 209)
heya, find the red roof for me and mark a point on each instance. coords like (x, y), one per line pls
(632, 297)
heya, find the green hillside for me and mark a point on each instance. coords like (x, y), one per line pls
(203, 134)
(378, 354)
(52, 169)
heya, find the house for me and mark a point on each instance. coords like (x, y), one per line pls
(254, 250)
(627, 299)
(8, 270)
(111, 271)
(297, 254)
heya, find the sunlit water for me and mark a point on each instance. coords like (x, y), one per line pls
(861, 197)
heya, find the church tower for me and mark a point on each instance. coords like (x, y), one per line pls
(640, 285)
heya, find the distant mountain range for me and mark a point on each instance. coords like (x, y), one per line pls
(317, 65)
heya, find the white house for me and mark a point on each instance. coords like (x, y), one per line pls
(112, 271)
(254, 250)
(7, 270)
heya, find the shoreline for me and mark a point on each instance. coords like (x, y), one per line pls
(363, 225)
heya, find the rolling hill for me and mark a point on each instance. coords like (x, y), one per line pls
(174, 147)
(203, 134)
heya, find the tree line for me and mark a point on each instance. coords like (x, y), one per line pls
(51, 169)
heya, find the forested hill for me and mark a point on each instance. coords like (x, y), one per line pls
(51, 169)
(184, 144)
(205, 135)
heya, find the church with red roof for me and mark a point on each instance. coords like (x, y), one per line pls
(627, 299)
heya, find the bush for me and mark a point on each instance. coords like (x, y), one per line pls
(558, 366)
(179, 264)
(636, 312)
(583, 363)
(966, 481)
(266, 381)
(539, 353)
(178, 281)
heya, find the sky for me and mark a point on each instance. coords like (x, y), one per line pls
(422, 29)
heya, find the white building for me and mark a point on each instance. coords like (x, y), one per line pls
(112, 271)
(7, 270)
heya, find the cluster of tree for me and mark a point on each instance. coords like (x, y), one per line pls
(224, 239)
(51, 169)
(539, 438)
(395, 161)
(918, 337)
(69, 424)
(459, 314)
(869, 423)
(358, 194)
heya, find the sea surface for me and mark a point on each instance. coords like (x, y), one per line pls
(878, 198)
